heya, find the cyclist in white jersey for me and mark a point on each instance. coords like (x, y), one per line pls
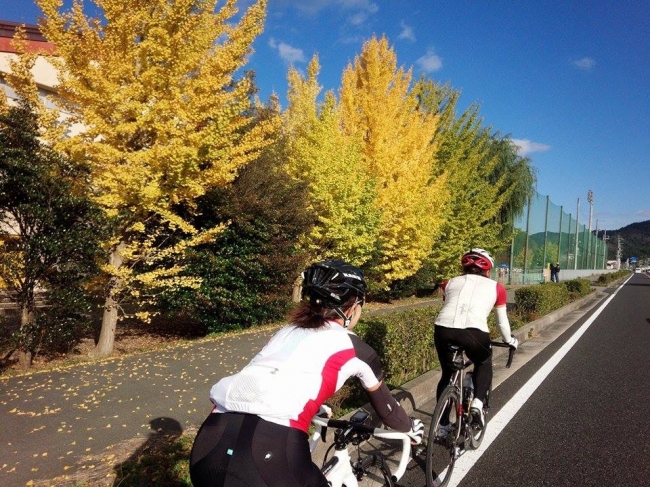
(468, 301)
(256, 435)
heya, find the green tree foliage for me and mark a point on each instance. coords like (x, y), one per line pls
(484, 194)
(518, 176)
(341, 191)
(49, 235)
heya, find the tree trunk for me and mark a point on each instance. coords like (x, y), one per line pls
(25, 359)
(106, 340)
(24, 354)
(297, 290)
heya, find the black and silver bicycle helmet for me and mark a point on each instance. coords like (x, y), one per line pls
(332, 283)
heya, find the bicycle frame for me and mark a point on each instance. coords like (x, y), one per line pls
(460, 364)
(338, 469)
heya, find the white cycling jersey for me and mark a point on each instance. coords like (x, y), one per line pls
(469, 299)
(296, 372)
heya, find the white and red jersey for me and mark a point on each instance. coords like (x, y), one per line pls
(469, 299)
(296, 372)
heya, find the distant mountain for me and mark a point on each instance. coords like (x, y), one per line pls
(635, 241)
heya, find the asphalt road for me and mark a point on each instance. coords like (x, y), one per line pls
(584, 424)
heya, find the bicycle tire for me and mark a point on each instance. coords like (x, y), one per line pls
(375, 471)
(477, 434)
(441, 451)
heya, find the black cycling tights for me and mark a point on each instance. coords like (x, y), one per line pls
(477, 348)
(243, 450)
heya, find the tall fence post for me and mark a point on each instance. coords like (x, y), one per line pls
(575, 254)
(548, 200)
(559, 238)
(568, 242)
(525, 267)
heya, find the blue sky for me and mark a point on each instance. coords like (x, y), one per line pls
(569, 81)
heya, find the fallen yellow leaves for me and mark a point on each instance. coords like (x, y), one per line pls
(33, 414)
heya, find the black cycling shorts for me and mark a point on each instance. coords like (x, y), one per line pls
(243, 450)
(477, 345)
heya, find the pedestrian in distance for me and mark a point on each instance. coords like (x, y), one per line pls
(256, 434)
(463, 321)
(555, 272)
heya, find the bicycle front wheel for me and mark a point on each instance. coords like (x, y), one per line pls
(375, 472)
(444, 432)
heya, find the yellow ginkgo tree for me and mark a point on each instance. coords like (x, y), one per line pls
(152, 84)
(380, 110)
(341, 190)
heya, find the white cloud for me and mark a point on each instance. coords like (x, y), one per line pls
(365, 5)
(528, 146)
(586, 63)
(407, 32)
(312, 7)
(288, 54)
(358, 18)
(430, 61)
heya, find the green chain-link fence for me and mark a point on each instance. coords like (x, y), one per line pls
(546, 234)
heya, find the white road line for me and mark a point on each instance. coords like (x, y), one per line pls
(503, 417)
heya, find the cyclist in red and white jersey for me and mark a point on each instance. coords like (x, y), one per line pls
(256, 435)
(463, 321)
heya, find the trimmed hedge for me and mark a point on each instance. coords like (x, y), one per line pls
(539, 300)
(605, 279)
(404, 342)
(581, 287)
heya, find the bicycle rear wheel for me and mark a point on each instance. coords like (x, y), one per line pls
(442, 442)
(375, 472)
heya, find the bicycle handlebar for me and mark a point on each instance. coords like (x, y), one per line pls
(511, 351)
(323, 423)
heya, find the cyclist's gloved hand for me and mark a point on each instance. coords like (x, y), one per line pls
(417, 431)
(514, 343)
(324, 411)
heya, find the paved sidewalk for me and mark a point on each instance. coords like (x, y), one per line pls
(58, 422)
